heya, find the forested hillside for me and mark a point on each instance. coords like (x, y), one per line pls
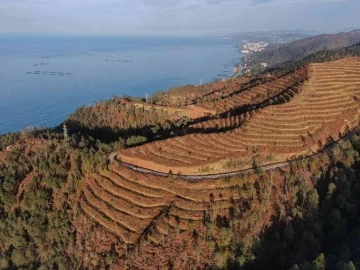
(319, 57)
(277, 54)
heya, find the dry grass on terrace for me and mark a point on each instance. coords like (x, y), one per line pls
(126, 203)
(135, 206)
(191, 111)
(326, 105)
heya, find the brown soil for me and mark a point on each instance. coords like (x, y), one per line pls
(170, 237)
(324, 108)
(191, 111)
(150, 221)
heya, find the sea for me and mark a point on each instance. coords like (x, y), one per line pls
(45, 78)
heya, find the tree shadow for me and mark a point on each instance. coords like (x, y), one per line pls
(109, 134)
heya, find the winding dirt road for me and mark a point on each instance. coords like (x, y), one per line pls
(269, 167)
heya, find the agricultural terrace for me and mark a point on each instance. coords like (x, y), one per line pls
(130, 204)
(322, 107)
(257, 94)
(240, 106)
(188, 94)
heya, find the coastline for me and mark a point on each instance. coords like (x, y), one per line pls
(46, 99)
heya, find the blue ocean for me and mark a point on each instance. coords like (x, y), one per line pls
(43, 79)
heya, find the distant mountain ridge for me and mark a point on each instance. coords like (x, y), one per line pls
(277, 54)
(318, 57)
(272, 36)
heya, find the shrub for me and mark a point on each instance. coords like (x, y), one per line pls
(135, 140)
(258, 170)
(170, 175)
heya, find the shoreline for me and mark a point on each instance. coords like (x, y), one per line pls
(10, 125)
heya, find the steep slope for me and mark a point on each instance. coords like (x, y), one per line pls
(152, 213)
(320, 108)
(149, 214)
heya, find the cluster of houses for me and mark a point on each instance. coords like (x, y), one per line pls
(253, 47)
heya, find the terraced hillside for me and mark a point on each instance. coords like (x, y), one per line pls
(239, 106)
(142, 208)
(131, 205)
(257, 94)
(322, 103)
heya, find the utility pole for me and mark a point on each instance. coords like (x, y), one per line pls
(66, 135)
(146, 97)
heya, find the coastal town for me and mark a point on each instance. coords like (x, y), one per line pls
(253, 47)
(253, 43)
(247, 49)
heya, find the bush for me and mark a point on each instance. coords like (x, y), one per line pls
(135, 140)
(170, 175)
(258, 170)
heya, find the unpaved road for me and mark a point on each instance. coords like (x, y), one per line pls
(269, 167)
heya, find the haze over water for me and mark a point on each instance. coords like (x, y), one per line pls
(43, 79)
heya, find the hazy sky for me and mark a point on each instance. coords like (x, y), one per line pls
(175, 17)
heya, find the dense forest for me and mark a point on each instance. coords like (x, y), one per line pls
(40, 178)
(313, 205)
(321, 230)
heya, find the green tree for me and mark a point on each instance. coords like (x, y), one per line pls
(319, 263)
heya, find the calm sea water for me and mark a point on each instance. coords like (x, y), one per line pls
(43, 79)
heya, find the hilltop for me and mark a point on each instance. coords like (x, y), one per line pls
(252, 173)
(272, 36)
(305, 110)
